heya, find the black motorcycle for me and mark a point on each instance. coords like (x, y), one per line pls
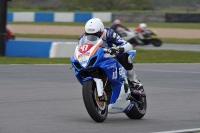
(150, 37)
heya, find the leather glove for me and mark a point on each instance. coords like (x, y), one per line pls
(120, 49)
(113, 50)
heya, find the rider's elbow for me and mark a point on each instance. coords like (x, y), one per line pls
(127, 47)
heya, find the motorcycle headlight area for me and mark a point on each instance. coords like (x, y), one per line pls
(84, 61)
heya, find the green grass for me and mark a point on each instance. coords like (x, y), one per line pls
(165, 40)
(142, 56)
(50, 36)
(107, 24)
(181, 40)
(27, 60)
(166, 56)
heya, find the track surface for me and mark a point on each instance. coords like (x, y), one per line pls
(47, 99)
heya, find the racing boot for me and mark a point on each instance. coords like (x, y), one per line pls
(135, 84)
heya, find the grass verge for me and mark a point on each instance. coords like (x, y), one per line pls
(142, 56)
(165, 40)
(50, 36)
(107, 24)
(181, 40)
(28, 60)
(166, 56)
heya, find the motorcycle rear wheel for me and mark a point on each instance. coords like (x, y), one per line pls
(138, 110)
(156, 42)
(97, 110)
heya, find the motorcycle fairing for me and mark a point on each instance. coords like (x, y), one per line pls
(121, 103)
(113, 69)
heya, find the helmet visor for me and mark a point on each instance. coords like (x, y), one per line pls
(89, 39)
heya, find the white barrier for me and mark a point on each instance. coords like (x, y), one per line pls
(57, 16)
(62, 49)
(23, 16)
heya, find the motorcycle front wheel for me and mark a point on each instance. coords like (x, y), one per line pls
(156, 42)
(97, 110)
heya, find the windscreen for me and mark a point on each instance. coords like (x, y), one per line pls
(88, 39)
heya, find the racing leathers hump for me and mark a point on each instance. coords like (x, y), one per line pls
(110, 37)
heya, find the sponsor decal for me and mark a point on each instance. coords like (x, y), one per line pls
(84, 48)
(90, 29)
(130, 107)
(114, 75)
(122, 71)
(117, 108)
(110, 67)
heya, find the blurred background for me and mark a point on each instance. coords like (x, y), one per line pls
(106, 5)
(52, 21)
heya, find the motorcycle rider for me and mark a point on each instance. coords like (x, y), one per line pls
(116, 24)
(141, 31)
(95, 27)
(9, 33)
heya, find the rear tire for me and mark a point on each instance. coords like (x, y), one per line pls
(138, 110)
(97, 110)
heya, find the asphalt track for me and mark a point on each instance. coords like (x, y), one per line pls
(47, 99)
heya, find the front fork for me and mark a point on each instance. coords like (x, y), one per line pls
(99, 85)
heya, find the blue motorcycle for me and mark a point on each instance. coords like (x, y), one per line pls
(106, 88)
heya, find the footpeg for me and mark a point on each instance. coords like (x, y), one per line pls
(133, 99)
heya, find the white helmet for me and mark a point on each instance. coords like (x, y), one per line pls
(117, 21)
(143, 26)
(94, 26)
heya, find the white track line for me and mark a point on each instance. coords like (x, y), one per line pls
(181, 131)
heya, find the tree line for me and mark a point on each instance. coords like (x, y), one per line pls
(100, 5)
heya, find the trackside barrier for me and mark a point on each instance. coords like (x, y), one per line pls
(44, 49)
(62, 49)
(57, 16)
(27, 48)
(104, 16)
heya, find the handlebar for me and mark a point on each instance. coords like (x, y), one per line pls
(112, 50)
(105, 50)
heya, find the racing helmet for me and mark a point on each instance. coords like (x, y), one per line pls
(117, 21)
(94, 26)
(143, 26)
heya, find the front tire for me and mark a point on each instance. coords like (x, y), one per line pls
(97, 110)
